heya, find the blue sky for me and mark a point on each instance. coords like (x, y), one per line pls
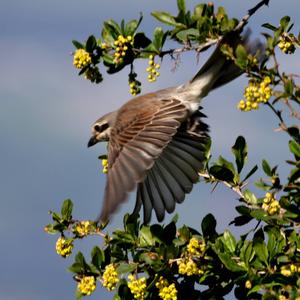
(45, 117)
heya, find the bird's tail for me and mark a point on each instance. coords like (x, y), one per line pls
(219, 70)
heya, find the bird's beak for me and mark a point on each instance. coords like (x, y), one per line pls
(92, 141)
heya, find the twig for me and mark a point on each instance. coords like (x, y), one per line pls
(294, 113)
(251, 12)
(282, 125)
(236, 189)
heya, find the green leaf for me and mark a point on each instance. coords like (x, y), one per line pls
(284, 22)
(276, 241)
(269, 26)
(166, 18)
(113, 26)
(132, 26)
(239, 150)
(247, 252)
(91, 44)
(253, 170)
(98, 257)
(124, 268)
(76, 268)
(294, 148)
(266, 167)
(188, 34)
(77, 45)
(158, 39)
(141, 41)
(66, 209)
(110, 31)
(78, 294)
(145, 236)
(50, 229)
(229, 263)
(250, 197)
(241, 56)
(208, 226)
(261, 250)
(222, 173)
(181, 6)
(79, 258)
(229, 241)
(241, 220)
(169, 233)
(289, 87)
(107, 35)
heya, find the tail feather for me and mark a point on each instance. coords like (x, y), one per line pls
(218, 70)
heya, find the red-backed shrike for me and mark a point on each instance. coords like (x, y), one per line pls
(157, 141)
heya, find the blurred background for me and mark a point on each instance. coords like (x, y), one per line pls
(45, 117)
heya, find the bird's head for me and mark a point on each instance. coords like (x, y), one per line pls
(101, 129)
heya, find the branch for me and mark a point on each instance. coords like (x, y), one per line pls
(209, 42)
(237, 189)
(251, 12)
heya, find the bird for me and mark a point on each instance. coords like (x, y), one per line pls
(157, 142)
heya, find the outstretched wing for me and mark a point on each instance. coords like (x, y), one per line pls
(144, 127)
(175, 171)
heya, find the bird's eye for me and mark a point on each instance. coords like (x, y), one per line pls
(101, 128)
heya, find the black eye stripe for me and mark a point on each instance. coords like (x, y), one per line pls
(101, 128)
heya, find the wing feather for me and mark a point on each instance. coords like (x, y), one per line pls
(135, 143)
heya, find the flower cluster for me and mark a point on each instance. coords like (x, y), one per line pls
(134, 84)
(93, 74)
(166, 291)
(137, 287)
(286, 44)
(87, 285)
(186, 266)
(289, 270)
(105, 165)
(110, 277)
(255, 93)
(81, 58)
(152, 69)
(271, 205)
(83, 228)
(122, 45)
(196, 247)
(64, 246)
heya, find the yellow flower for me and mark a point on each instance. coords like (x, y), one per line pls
(122, 45)
(81, 58)
(289, 270)
(87, 285)
(248, 284)
(110, 277)
(83, 228)
(105, 165)
(134, 86)
(188, 267)
(152, 69)
(64, 246)
(137, 287)
(256, 93)
(270, 204)
(286, 44)
(166, 291)
(285, 271)
(196, 247)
